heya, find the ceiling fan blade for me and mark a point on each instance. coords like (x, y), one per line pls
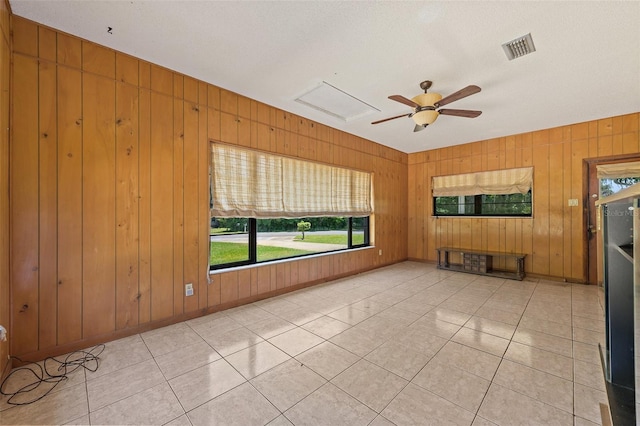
(403, 100)
(460, 112)
(391, 118)
(419, 127)
(462, 93)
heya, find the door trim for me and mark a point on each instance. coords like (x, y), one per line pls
(588, 173)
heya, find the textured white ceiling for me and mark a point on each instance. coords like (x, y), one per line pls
(587, 63)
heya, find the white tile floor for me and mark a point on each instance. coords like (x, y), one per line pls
(406, 345)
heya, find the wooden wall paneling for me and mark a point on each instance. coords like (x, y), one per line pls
(144, 206)
(244, 131)
(465, 232)
(294, 276)
(510, 152)
(47, 44)
(279, 279)
(593, 146)
(327, 269)
(263, 137)
(25, 36)
(616, 145)
(605, 126)
(579, 151)
(254, 281)
(213, 292)
(204, 223)
(567, 215)
(228, 102)
(191, 89)
(161, 80)
(282, 119)
(127, 69)
(263, 113)
(144, 74)
(454, 236)
(303, 270)
(314, 268)
(244, 283)
(98, 60)
(48, 199)
(541, 183)
(98, 205)
(69, 51)
(127, 216)
(630, 143)
(324, 151)
(273, 272)
(605, 146)
(412, 207)
(178, 86)
(5, 83)
(69, 208)
(556, 211)
(23, 180)
(214, 131)
(630, 122)
(212, 98)
(303, 126)
(178, 207)
(526, 155)
(228, 287)
(5, 11)
(245, 106)
(162, 211)
(431, 221)
(264, 279)
(191, 206)
(229, 128)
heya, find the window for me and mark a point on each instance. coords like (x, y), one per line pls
(494, 193)
(245, 241)
(266, 207)
(617, 176)
(483, 205)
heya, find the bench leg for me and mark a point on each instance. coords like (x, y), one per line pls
(520, 262)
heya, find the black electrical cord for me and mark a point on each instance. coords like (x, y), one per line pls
(85, 359)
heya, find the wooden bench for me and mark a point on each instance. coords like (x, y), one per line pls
(481, 262)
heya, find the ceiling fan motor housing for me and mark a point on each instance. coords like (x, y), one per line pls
(426, 116)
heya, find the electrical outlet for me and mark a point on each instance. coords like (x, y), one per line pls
(380, 252)
(188, 289)
(573, 202)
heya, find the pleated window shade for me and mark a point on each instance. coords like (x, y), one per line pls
(618, 170)
(498, 182)
(247, 183)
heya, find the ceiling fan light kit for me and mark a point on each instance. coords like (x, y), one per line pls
(426, 106)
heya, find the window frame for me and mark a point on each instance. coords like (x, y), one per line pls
(252, 231)
(478, 208)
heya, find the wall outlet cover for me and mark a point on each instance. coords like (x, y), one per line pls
(188, 289)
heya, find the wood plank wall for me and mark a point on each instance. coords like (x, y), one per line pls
(5, 59)
(110, 196)
(554, 238)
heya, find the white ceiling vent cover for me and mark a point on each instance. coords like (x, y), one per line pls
(519, 47)
(335, 102)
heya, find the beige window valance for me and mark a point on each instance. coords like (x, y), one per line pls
(508, 181)
(247, 183)
(618, 170)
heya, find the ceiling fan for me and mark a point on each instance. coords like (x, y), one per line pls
(426, 106)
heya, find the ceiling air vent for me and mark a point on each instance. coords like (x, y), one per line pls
(519, 47)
